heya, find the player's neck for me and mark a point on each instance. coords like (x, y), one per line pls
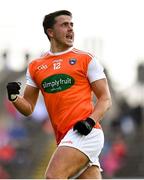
(63, 51)
(57, 49)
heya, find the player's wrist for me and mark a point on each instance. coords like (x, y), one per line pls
(84, 127)
(91, 121)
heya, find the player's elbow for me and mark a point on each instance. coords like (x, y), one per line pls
(28, 111)
(109, 102)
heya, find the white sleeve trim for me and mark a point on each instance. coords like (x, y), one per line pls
(29, 80)
(95, 70)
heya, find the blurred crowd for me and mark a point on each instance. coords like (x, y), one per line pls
(25, 142)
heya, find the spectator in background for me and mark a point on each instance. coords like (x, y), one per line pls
(114, 158)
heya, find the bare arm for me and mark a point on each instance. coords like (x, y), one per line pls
(101, 90)
(26, 104)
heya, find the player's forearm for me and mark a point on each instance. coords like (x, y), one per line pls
(101, 107)
(23, 106)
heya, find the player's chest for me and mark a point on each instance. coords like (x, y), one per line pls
(60, 74)
(71, 66)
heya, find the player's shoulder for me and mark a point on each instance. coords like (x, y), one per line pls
(39, 59)
(83, 53)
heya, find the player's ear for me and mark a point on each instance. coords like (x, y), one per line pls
(50, 32)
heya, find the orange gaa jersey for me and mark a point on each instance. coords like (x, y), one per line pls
(64, 79)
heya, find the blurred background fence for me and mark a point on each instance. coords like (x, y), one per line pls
(26, 143)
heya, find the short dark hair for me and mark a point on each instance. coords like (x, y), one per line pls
(49, 19)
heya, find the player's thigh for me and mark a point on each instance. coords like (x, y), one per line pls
(65, 162)
(92, 172)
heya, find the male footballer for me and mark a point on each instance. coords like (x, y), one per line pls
(67, 77)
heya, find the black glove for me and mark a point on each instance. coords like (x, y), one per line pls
(13, 90)
(84, 127)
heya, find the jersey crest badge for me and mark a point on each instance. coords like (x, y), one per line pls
(72, 61)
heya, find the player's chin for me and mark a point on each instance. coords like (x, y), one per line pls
(69, 42)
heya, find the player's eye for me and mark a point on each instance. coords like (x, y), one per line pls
(72, 24)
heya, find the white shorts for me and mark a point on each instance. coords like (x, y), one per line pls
(91, 145)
